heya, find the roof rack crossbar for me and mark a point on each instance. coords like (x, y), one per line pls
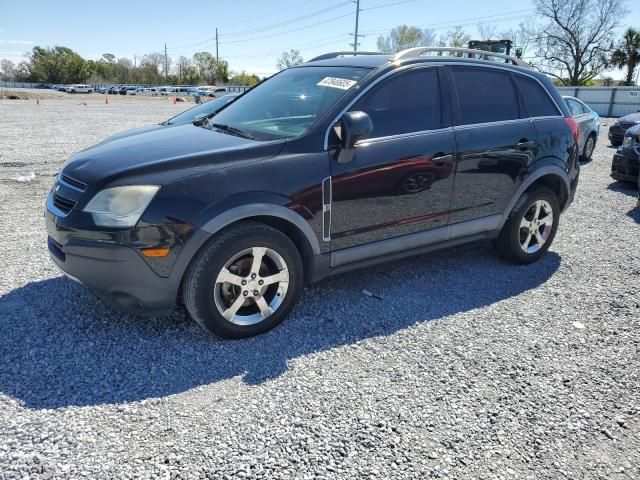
(342, 54)
(417, 51)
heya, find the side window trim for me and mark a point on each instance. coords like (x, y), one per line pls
(357, 97)
(544, 89)
(456, 103)
(444, 117)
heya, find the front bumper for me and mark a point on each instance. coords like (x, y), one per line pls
(625, 166)
(117, 274)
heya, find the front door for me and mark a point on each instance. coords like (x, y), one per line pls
(400, 178)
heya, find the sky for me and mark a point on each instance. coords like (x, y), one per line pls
(252, 33)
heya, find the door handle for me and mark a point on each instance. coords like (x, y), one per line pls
(523, 145)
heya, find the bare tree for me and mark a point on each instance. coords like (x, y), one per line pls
(403, 37)
(627, 54)
(486, 31)
(456, 38)
(522, 36)
(184, 64)
(575, 44)
(289, 59)
(7, 70)
(123, 70)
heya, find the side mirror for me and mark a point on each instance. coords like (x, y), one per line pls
(354, 126)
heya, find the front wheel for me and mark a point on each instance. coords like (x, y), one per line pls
(244, 282)
(531, 227)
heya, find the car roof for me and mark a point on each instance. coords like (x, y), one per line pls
(384, 60)
(362, 61)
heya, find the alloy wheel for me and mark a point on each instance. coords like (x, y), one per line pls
(536, 226)
(251, 286)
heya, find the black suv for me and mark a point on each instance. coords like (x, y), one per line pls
(338, 163)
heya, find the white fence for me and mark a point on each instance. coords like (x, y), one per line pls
(607, 101)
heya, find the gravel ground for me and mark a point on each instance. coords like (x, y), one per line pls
(467, 368)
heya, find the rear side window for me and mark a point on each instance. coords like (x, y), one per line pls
(536, 98)
(485, 95)
(405, 103)
(575, 107)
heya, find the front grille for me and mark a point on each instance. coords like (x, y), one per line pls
(73, 182)
(63, 204)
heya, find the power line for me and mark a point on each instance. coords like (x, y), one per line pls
(471, 20)
(287, 22)
(266, 28)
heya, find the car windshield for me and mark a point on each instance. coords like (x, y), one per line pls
(200, 111)
(288, 104)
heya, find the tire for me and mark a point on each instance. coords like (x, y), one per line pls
(516, 236)
(230, 256)
(616, 144)
(589, 147)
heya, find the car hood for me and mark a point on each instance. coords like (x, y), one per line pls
(164, 154)
(134, 131)
(631, 118)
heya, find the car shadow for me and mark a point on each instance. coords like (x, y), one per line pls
(628, 188)
(62, 347)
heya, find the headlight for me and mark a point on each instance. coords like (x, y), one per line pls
(120, 206)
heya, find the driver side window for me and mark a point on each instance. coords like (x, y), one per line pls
(404, 103)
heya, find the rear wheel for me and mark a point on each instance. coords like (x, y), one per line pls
(589, 146)
(244, 282)
(531, 227)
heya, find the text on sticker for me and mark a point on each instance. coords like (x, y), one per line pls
(335, 82)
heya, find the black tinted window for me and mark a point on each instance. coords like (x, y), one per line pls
(535, 98)
(405, 103)
(485, 95)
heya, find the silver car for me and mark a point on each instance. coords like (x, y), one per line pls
(588, 124)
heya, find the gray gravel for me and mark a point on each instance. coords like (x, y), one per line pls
(467, 368)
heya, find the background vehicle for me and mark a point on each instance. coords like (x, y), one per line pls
(219, 91)
(625, 165)
(620, 126)
(79, 88)
(125, 90)
(589, 124)
(286, 185)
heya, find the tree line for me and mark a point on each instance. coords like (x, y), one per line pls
(61, 65)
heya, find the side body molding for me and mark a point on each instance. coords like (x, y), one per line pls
(263, 209)
(554, 170)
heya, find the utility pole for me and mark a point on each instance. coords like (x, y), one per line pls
(166, 63)
(217, 57)
(355, 35)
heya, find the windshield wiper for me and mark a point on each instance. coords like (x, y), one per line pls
(221, 127)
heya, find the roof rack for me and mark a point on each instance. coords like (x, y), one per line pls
(482, 55)
(342, 54)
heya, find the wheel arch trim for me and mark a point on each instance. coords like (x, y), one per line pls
(246, 212)
(547, 170)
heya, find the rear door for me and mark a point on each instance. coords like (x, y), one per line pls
(495, 140)
(399, 180)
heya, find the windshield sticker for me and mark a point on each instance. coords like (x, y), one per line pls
(335, 82)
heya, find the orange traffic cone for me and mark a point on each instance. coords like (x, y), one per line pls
(174, 100)
(106, 99)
